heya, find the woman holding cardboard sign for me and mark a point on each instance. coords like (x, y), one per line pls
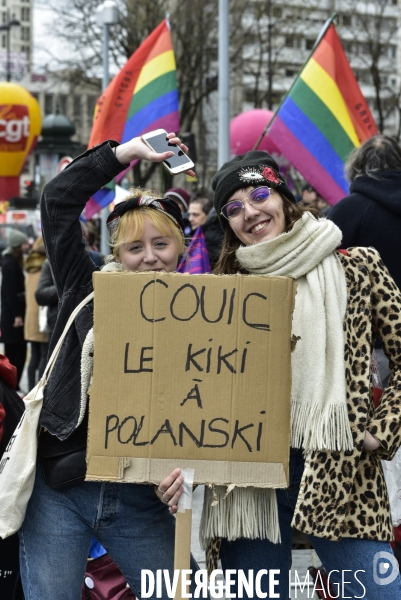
(64, 511)
(337, 494)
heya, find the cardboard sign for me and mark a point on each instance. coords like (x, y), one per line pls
(191, 371)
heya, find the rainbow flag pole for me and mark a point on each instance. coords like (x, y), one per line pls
(142, 97)
(323, 117)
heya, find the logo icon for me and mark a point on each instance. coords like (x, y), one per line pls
(14, 127)
(385, 568)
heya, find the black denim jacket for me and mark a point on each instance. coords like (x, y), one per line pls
(62, 202)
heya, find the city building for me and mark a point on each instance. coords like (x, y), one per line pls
(75, 104)
(16, 52)
(57, 95)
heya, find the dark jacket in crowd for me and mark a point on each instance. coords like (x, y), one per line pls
(12, 300)
(62, 202)
(46, 295)
(371, 216)
(214, 234)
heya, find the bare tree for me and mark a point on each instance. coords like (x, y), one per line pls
(271, 29)
(75, 25)
(194, 30)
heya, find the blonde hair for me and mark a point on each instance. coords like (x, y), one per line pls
(132, 224)
(38, 244)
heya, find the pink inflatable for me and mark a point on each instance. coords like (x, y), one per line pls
(245, 129)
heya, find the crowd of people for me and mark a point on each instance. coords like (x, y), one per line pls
(346, 263)
(29, 302)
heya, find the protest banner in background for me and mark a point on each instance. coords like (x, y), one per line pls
(191, 371)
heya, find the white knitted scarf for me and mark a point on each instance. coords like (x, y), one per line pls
(319, 417)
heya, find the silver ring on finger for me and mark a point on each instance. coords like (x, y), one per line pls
(165, 499)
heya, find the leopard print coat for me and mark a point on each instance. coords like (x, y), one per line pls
(344, 494)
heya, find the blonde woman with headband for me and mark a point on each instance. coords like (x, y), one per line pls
(132, 522)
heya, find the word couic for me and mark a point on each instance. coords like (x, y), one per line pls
(197, 303)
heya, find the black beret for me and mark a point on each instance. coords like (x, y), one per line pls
(253, 168)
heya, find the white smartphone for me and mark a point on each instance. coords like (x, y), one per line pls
(157, 141)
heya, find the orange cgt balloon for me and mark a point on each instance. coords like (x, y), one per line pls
(20, 126)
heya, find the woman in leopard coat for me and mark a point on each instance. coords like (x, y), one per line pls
(337, 493)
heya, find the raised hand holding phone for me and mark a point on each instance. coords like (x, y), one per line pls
(137, 149)
(159, 141)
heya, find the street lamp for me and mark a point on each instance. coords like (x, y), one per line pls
(269, 57)
(7, 27)
(224, 85)
(107, 15)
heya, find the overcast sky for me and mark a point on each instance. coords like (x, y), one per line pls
(42, 39)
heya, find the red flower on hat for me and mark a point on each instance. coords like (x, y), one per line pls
(269, 174)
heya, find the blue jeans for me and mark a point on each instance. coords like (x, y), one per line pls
(129, 520)
(345, 556)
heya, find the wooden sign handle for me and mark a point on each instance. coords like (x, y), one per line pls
(182, 547)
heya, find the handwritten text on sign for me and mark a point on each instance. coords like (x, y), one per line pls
(194, 367)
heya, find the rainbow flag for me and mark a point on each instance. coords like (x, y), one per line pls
(142, 97)
(323, 117)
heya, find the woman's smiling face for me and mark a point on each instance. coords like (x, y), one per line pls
(152, 252)
(258, 223)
